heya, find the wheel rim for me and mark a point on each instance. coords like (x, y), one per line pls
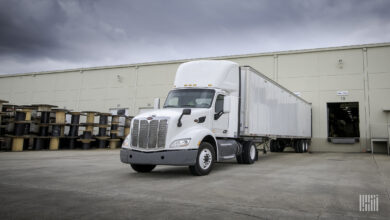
(252, 152)
(303, 146)
(205, 159)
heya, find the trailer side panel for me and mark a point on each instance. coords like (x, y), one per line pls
(268, 109)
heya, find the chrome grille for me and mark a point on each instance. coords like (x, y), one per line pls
(162, 133)
(134, 133)
(153, 126)
(149, 134)
(143, 134)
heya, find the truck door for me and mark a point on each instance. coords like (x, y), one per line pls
(221, 119)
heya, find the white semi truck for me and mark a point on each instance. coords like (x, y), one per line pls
(217, 111)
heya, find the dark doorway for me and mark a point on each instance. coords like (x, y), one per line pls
(343, 120)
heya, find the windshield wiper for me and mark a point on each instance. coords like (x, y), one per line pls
(174, 106)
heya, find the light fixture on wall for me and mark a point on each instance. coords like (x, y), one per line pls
(119, 78)
(340, 63)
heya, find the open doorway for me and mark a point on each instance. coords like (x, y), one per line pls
(343, 120)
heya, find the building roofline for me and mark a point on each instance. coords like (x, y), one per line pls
(359, 46)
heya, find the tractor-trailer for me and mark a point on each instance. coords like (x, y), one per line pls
(217, 111)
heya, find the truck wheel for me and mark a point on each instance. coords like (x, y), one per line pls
(140, 168)
(249, 152)
(204, 160)
(239, 159)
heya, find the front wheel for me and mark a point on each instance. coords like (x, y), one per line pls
(142, 168)
(204, 160)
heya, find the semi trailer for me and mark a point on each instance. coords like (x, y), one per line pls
(217, 111)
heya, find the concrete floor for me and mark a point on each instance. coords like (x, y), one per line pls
(95, 185)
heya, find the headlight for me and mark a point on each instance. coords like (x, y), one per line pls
(180, 143)
(126, 142)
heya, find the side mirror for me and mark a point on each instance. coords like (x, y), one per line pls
(156, 104)
(186, 111)
(226, 104)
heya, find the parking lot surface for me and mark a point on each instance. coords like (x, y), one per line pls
(95, 185)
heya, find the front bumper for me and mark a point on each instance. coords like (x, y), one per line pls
(172, 157)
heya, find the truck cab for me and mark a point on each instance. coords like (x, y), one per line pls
(197, 126)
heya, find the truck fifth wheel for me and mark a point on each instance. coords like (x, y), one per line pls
(217, 111)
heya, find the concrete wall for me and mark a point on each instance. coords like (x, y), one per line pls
(316, 74)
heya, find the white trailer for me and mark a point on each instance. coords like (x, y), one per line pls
(268, 109)
(217, 111)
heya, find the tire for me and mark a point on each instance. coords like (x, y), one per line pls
(281, 146)
(300, 146)
(306, 145)
(272, 145)
(297, 146)
(239, 159)
(249, 153)
(204, 160)
(140, 168)
(276, 146)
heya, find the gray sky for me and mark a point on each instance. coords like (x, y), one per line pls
(38, 35)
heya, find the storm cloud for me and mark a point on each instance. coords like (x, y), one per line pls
(44, 35)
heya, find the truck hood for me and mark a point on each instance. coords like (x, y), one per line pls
(173, 113)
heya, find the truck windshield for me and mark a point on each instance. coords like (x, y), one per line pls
(190, 98)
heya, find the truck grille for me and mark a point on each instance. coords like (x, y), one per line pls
(149, 134)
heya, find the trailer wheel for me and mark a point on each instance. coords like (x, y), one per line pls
(281, 146)
(140, 168)
(301, 146)
(204, 160)
(295, 146)
(249, 152)
(298, 146)
(306, 146)
(276, 146)
(272, 145)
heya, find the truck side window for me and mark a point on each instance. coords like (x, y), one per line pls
(219, 104)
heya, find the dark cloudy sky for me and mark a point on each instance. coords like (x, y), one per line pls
(38, 35)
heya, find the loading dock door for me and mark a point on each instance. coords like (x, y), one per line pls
(343, 121)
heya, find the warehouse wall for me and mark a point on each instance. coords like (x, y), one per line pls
(363, 71)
